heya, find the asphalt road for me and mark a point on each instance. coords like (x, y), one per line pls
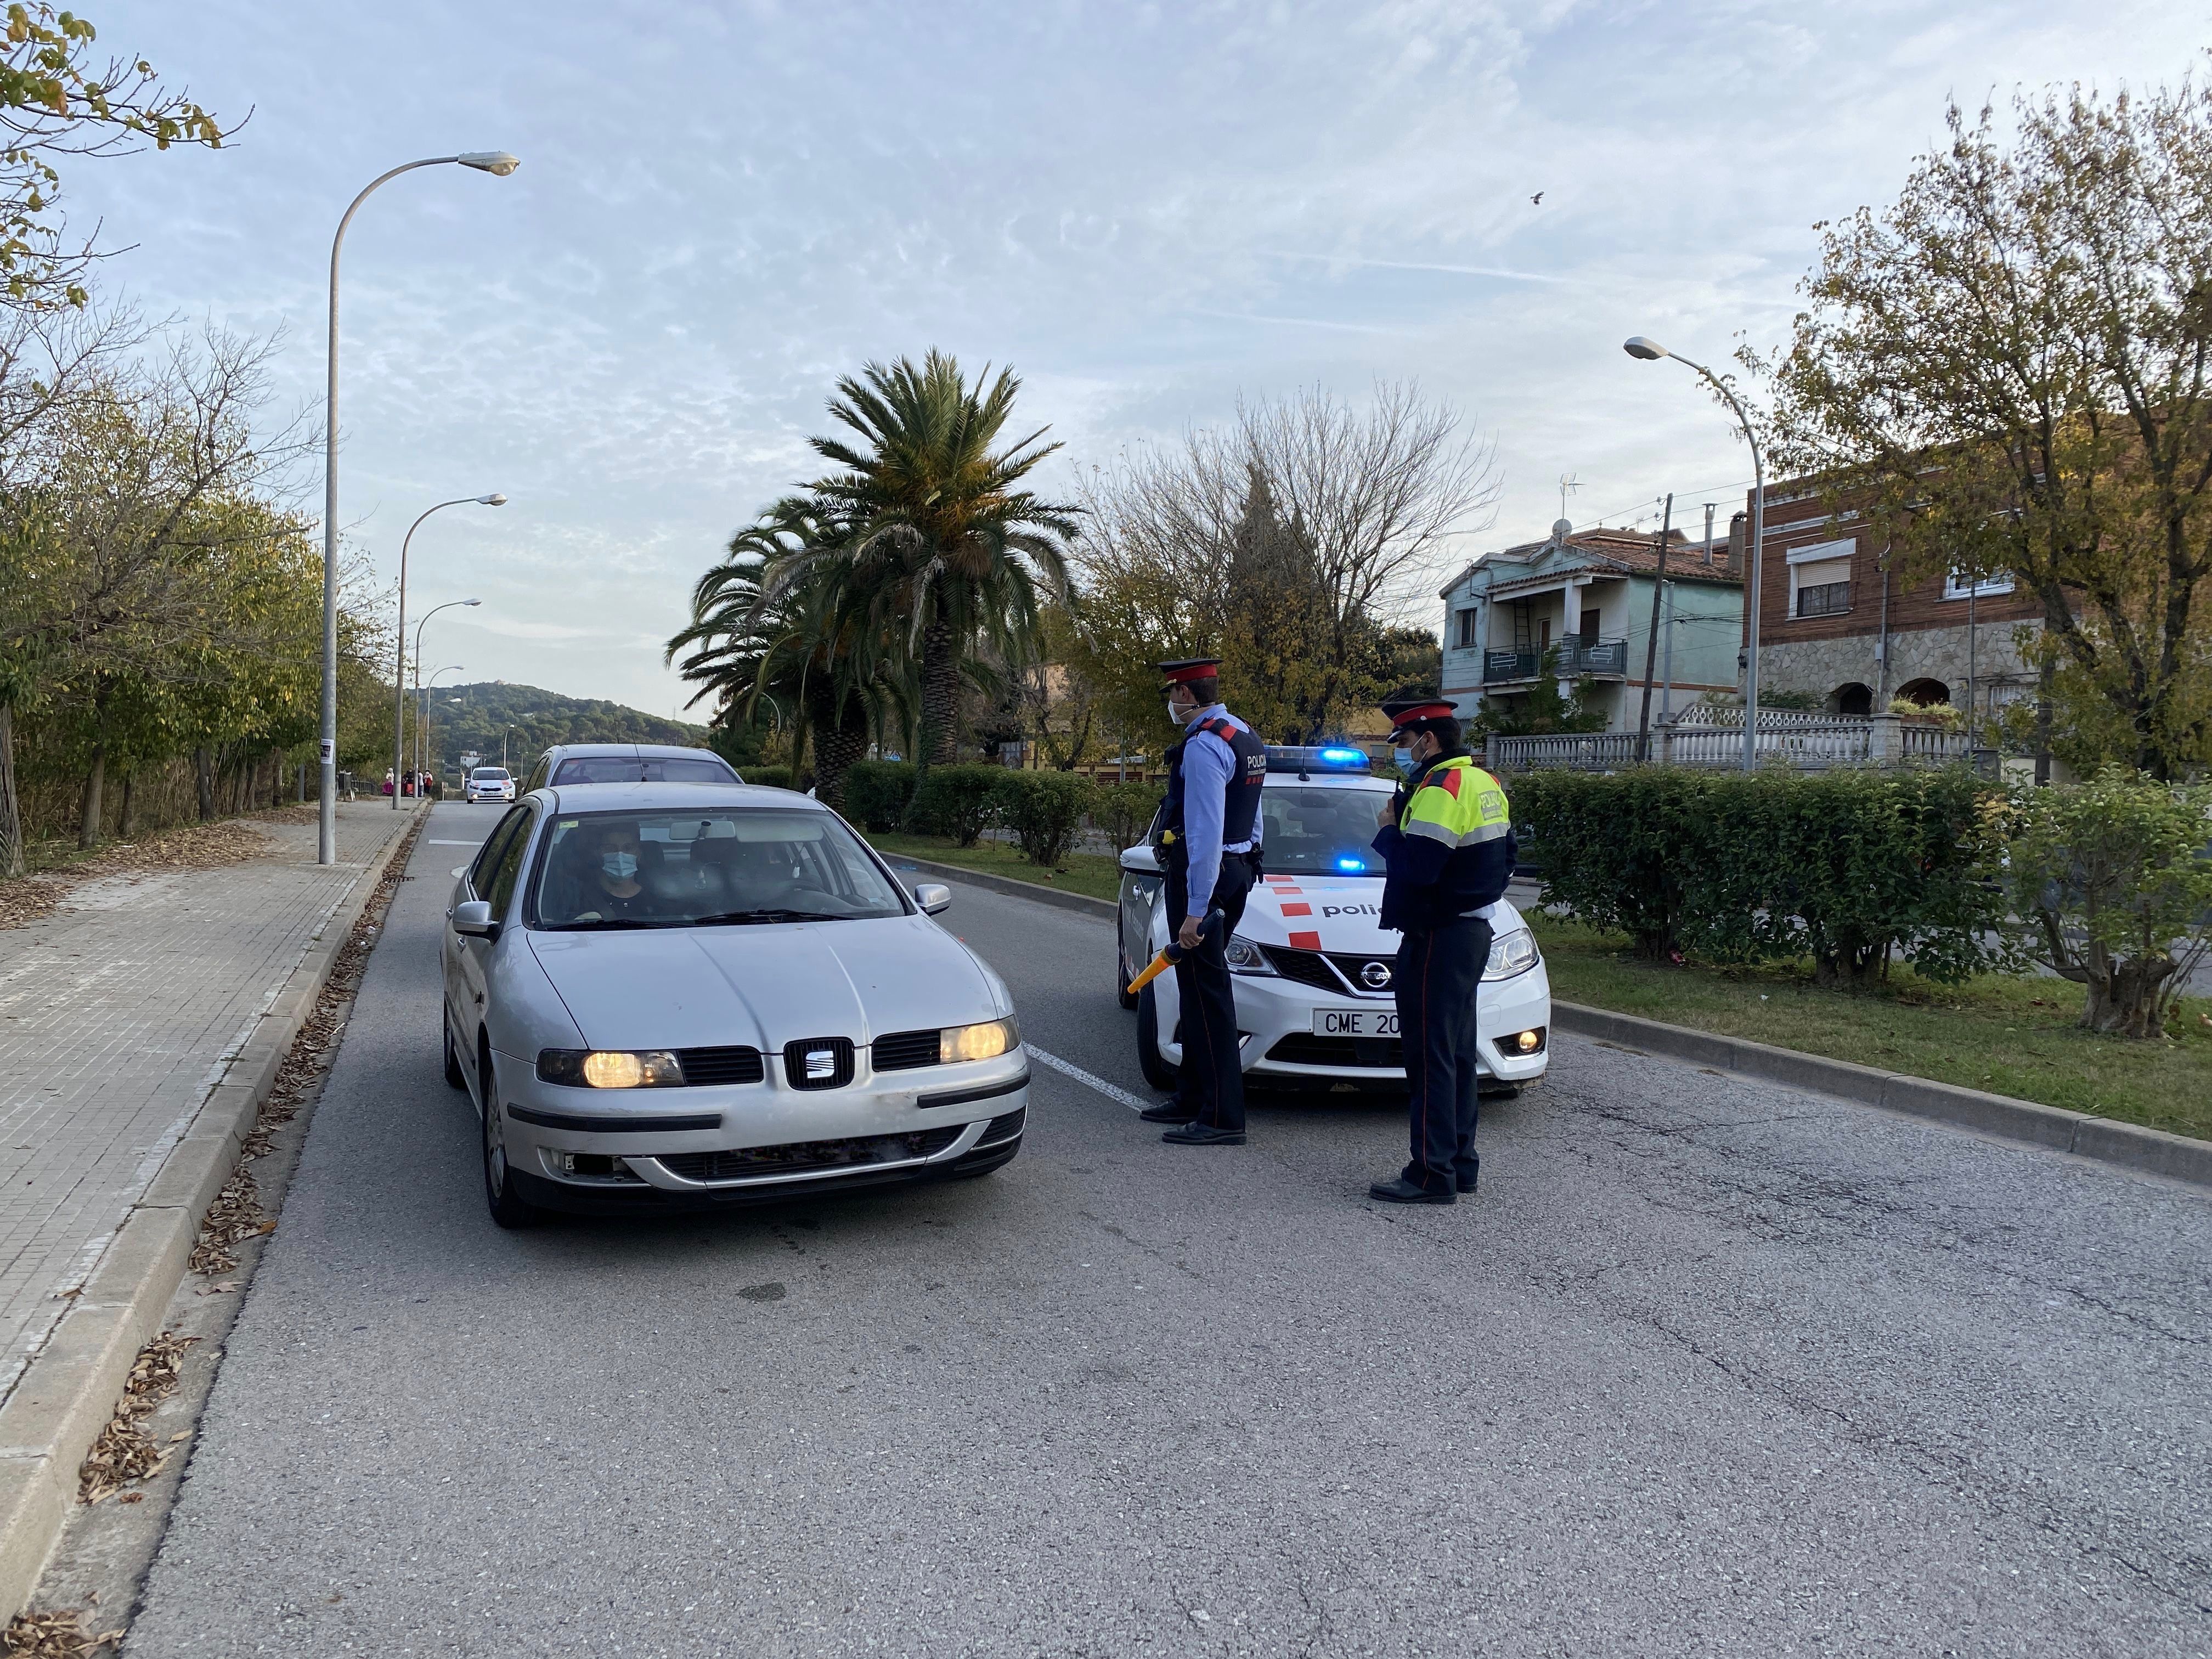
(1709, 1367)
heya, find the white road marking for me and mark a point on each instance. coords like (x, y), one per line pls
(1110, 1090)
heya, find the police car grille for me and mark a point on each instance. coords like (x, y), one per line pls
(706, 1067)
(1353, 967)
(903, 1050)
(1303, 1048)
(1307, 967)
(805, 1156)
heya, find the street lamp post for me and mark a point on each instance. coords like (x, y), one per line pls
(1651, 351)
(419, 627)
(499, 164)
(423, 722)
(399, 646)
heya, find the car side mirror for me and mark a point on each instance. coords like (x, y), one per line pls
(473, 917)
(934, 897)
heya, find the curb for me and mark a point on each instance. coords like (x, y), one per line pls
(1029, 890)
(65, 1396)
(2149, 1152)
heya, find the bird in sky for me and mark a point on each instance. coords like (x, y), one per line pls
(1537, 200)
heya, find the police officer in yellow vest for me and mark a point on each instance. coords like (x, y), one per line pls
(1447, 843)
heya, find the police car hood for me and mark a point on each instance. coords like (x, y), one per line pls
(1330, 913)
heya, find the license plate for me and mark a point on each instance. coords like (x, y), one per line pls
(1355, 1022)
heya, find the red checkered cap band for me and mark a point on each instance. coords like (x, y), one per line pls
(1427, 711)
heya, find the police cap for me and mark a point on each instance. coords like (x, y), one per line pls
(1186, 669)
(1411, 707)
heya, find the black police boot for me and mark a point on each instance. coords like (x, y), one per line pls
(1194, 1133)
(1173, 1111)
(1399, 1190)
(1466, 1177)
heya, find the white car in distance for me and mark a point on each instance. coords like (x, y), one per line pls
(1311, 967)
(489, 783)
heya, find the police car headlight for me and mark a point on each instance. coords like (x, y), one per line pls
(1246, 958)
(1511, 954)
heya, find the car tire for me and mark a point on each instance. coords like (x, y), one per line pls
(1150, 1061)
(455, 1077)
(509, 1209)
(1122, 976)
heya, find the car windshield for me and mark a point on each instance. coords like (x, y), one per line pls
(722, 867)
(490, 774)
(1319, 832)
(652, 769)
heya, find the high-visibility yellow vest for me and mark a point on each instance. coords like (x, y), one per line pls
(1458, 803)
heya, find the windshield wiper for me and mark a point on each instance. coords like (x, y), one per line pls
(740, 918)
(609, 923)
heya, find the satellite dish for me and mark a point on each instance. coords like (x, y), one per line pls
(1561, 530)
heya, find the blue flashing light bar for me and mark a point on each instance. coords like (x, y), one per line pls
(1345, 758)
(1333, 757)
(1352, 866)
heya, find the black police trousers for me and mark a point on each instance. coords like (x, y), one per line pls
(1212, 1082)
(1437, 976)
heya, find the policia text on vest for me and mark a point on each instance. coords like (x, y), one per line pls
(1447, 844)
(1208, 838)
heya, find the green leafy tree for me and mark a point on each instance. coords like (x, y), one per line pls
(2006, 370)
(1541, 708)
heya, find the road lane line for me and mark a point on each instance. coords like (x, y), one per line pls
(1110, 1090)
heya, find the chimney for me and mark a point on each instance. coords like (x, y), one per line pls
(1739, 533)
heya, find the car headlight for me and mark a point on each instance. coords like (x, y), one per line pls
(609, 1068)
(1511, 954)
(989, 1041)
(1246, 958)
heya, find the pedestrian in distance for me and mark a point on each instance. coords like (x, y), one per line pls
(1446, 840)
(1207, 837)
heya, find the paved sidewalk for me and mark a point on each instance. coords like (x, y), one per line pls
(118, 1013)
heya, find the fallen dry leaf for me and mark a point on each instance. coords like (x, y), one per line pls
(55, 1636)
(124, 1454)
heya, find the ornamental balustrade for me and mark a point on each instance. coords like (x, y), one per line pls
(1712, 737)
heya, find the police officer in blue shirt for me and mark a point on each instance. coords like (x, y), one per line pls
(1207, 835)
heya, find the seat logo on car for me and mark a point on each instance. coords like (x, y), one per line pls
(1375, 975)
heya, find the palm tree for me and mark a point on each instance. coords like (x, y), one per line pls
(941, 543)
(801, 651)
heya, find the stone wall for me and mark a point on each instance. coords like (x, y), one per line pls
(1818, 666)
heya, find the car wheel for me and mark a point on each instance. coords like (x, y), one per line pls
(508, 1207)
(1122, 976)
(455, 1077)
(1150, 1061)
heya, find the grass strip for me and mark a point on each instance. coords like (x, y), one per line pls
(2018, 1036)
(1093, 874)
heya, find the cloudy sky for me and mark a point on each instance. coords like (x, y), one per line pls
(1145, 210)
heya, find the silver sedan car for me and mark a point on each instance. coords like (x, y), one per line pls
(668, 995)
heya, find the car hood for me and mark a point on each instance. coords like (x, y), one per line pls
(1330, 913)
(764, 986)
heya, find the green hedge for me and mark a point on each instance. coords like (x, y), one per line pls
(1045, 811)
(1125, 811)
(878, 794)
(959, 802)
(771, 777)
(1848, 867)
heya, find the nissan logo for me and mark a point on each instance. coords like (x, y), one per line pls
(1375, 975)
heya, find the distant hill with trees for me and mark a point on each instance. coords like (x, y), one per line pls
(475, 718)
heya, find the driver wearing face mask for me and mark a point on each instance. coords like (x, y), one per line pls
(612, 889)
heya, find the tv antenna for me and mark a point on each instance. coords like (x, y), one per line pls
(1568, 485)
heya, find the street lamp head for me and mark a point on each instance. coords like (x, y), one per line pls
(471, 601)
(1650, 350)
(496, 162)
(492, 500)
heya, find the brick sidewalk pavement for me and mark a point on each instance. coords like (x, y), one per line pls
(118, 1013)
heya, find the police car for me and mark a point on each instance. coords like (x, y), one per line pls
(1312, 970)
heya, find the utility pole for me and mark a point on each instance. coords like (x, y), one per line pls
(1651, 633)
(1667, 695)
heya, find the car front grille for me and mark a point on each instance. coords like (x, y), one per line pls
(1005, 1129)
(1303, 1048)
(805, 1157)
(1306, 967)
(1353, 969)
(818, 1062)
(707, 1066)
(901, 1050)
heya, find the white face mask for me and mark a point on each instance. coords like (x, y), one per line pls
(620, 865)
(1179, 713)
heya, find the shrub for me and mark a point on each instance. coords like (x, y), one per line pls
(878, 794)
(1848, 867)
(1045, 811)
(770, 777)
(1125, 811)
(959, 802)
(2113, 878)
